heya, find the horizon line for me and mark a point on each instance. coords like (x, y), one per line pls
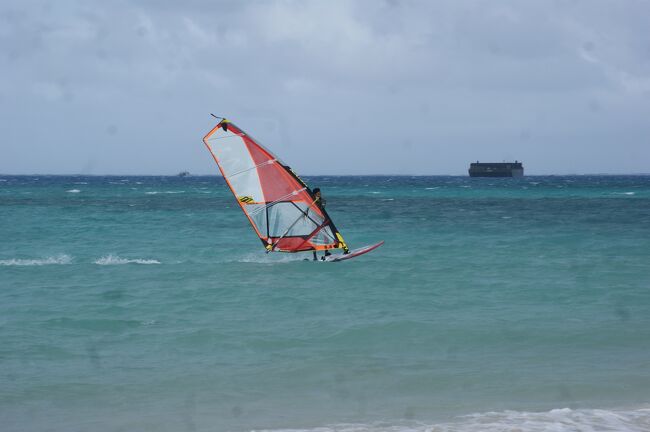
(320, 175)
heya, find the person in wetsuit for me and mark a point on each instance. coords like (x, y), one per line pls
(320, 202)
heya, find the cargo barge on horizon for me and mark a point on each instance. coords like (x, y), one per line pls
(498, 169)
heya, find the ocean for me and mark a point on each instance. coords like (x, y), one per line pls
(148, 304)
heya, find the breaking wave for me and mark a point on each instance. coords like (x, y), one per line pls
(59, 259)
(557, 420)
(73, 191)
(116, 260)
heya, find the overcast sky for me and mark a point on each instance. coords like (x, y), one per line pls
(332, 87)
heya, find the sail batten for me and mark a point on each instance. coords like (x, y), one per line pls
(226, 137)
(253, 167)
(280, 207)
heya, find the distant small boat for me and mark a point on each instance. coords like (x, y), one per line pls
(184, 174)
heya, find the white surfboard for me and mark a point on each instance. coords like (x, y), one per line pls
(353, 253)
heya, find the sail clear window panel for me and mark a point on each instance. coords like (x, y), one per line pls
(258, 215)
(324, 236)
(285, 216)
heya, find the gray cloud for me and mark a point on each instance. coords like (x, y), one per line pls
(389, 87)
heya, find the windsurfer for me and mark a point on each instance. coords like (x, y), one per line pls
(320, 202)
(318, 199)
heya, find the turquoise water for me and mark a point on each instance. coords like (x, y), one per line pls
(147, 303)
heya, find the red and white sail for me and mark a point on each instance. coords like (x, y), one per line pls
(279, 205)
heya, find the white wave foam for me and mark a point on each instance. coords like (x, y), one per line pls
(263, 258)
(59, 259)
(116, 260)
(557, 420)
(564, 419)
(73, 191)
(623, 193)
(164, 192)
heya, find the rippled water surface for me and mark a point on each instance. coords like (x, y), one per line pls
(147, 303)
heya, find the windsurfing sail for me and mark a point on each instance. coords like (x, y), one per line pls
(281, 208)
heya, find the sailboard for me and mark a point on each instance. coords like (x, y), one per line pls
(353, 253)
(283, 211)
